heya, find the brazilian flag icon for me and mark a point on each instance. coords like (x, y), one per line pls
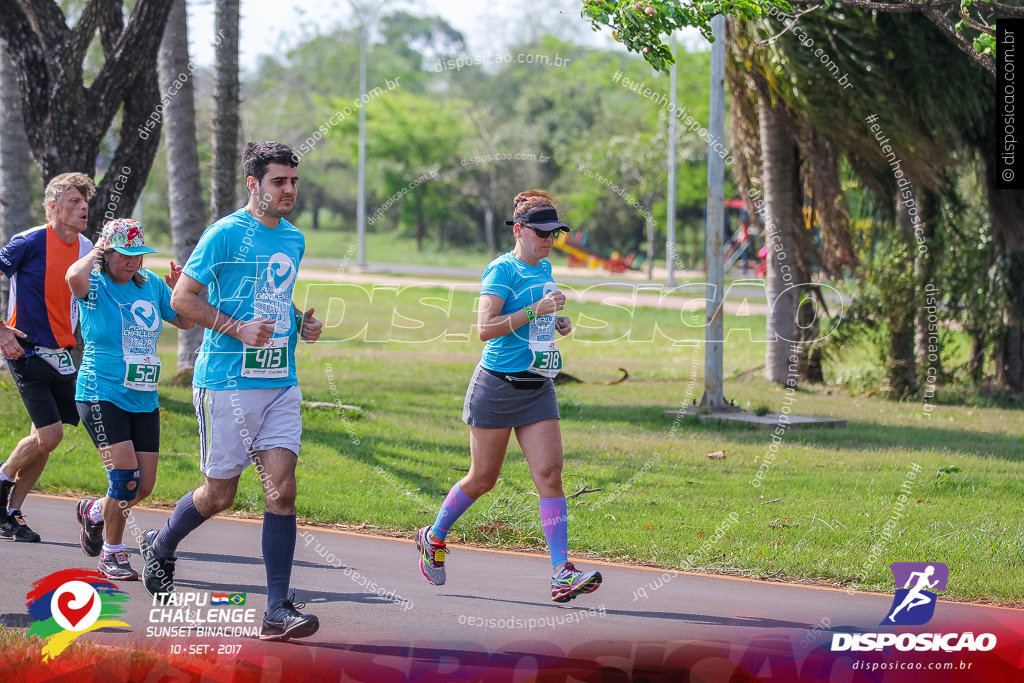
(237, 598)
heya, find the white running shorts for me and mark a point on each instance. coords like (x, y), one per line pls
(234, 424)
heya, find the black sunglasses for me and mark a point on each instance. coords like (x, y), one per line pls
(544, 234)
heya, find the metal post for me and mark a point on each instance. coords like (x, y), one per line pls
(361, 183)
(714, 329)
(670, 240)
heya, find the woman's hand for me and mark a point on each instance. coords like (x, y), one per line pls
(563, 325)
(172, 277)
(552, 302)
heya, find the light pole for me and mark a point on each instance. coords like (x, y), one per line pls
(670, 240)
(714, 334)
(366, 20)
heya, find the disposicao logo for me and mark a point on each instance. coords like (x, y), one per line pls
(915, 577)
(68, 603)
(914, 605)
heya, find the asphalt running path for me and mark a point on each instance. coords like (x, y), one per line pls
(373, 601)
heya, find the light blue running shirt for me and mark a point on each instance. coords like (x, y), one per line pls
(519, 285)
(250, 270)
(120, 326)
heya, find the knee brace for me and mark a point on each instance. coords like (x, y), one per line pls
(124, 484)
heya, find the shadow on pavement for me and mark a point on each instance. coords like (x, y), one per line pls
(742, 622)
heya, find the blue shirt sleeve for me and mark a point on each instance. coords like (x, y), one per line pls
(497, 280)
(204, 263)
(163, 298)
(12, 254)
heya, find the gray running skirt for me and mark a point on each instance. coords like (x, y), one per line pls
(493, 403)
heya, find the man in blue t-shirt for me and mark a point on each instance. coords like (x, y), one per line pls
(244, 386)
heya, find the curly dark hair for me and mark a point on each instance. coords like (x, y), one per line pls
(258, 155)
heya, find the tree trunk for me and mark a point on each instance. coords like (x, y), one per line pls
(778, 170)
(1005, 209)
(15, 165)
(421, 222)
(65, 132)
(316, 202)
(226, 119)
(901, 308)
(186, 187)
(650, 245)
(927, 344)
(976, 363)
(489, 208)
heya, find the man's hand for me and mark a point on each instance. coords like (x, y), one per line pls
(563, 325)
(9, 341)
(256, 332)
(310, 328)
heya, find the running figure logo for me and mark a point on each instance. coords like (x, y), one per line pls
(916, 578)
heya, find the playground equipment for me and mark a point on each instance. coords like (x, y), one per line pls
(580, 256)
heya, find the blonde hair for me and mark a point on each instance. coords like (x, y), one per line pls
(57, 186)
(531, 200)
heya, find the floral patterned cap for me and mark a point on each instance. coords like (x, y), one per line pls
(125, 236)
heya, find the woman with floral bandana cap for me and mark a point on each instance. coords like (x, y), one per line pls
(123, 307)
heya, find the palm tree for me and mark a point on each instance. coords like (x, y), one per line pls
(226, 119)
(15, 164)
(184, 188)
(899, 75)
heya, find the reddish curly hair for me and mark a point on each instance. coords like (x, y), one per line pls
(531, 200)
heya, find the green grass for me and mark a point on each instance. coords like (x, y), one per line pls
(391, 248)
(823, 502)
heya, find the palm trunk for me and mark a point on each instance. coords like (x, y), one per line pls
(187, 215)
(226, 120)
(15, 165)
(778, 162)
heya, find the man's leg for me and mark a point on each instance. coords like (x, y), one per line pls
(195, 507)
(276, 468)
(25, 465)
(28, 459)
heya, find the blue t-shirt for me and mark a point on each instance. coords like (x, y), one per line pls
(120, 326)
(519, 285)
(250, 270)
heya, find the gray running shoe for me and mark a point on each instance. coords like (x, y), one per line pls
(431, 557)
(570, 582)
(116, 566)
